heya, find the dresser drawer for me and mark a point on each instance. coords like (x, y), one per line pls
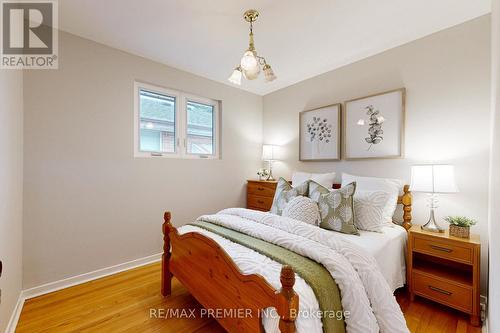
(259, 202)
(443, 250)
(261, 189)
(443, 291)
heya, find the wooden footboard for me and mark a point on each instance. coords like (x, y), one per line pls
(210, 275)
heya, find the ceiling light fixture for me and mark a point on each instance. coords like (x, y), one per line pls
(250, 64)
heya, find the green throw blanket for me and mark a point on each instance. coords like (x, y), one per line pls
(316, 276)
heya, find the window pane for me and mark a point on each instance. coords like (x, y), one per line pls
(157, 122)
(200, 128)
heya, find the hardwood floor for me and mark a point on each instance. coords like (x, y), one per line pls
(129, 302)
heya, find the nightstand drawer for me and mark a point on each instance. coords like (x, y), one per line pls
(259, 202)
(443, 250)
(443, 291)
(262, 189)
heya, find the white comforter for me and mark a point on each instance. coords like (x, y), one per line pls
(365, 293)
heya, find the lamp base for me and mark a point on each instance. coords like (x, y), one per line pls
(270, 177)
(431, 224)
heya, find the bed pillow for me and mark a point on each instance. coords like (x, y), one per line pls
(336, 208)
(325, 179)
(369, 209)
(315, 190)
(284, 193)
(392, 186)
(303, 209)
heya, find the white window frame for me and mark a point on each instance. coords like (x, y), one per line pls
(215, 129)
(180, 140)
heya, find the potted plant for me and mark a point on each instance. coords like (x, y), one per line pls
(262, 173)
(460, 225)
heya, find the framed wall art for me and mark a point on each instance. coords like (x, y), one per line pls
(319, 134)
(374, 126)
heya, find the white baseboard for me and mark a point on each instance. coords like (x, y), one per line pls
(14, 318)
(73, 281)
(86, 277)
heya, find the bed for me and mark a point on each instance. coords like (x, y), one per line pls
(240, 285)
(389, 249)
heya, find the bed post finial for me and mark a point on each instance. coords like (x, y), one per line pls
(166, 275)
(406, 201)
(167, 217)
(288, 301)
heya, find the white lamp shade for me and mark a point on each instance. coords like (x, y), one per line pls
(249, 61)
(270, 152)
(434, 178)
(269, 73)
(235, 77)
(251, 74)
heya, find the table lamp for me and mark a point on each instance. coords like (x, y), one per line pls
(270, 154)
(433, 179)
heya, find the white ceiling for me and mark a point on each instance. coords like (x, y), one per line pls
(299, 38)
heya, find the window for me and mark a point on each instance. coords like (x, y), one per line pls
(157, 122)
(200, 128)
(173, 124)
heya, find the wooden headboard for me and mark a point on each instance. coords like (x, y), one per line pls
(405, 200)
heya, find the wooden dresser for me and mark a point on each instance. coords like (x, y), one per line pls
(260, 194)
(445, 269)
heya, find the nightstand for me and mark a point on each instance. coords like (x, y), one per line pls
(260, 194)
(445, 269)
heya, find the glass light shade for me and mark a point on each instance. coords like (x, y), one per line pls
(252, 74)
(434, 178)
(269, 73)
(249, 61)
(235, 77)
(270, 152)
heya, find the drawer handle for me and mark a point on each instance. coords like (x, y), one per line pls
(260, 201)
(260, 188)
(439, 290)
(440, 248)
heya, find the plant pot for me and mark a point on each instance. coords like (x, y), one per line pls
(462, 232)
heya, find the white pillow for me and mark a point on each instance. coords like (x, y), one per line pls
(324, 179)
(392, 186)
(299, 177)
(369, 209)
(303, 209)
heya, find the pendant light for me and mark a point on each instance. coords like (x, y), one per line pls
(251, 63)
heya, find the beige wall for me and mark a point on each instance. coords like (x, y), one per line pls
(88, 203)
(447, 77)
(494, 225)
(11, 190)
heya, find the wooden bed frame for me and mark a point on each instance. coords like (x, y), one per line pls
(234, 299)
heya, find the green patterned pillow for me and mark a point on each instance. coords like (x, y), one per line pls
(285, 192)
(316, 190)
(335, 207)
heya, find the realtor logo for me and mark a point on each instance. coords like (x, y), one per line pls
(29, 34)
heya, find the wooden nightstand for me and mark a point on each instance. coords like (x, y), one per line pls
(260, 194)
(445, 269)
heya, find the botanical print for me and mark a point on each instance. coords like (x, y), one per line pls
(375, 130)
(319, 134)
(374, 126)
(319, 130)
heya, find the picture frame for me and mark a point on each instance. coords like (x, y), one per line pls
(320, 133)
(374, 126)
